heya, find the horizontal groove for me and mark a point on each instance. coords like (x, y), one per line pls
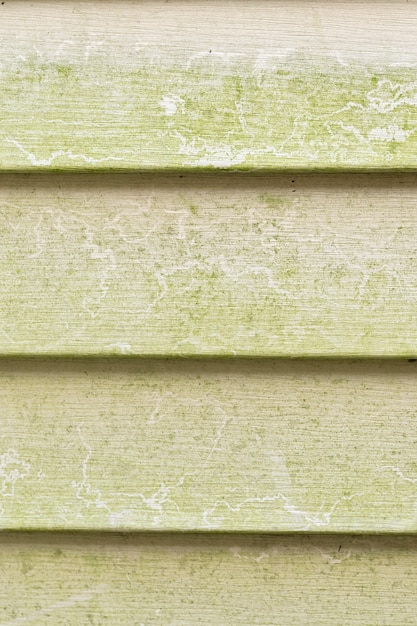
(187, 364)
(338, 179)
(383, 541)
(169, 535)
(213, 357)
(348, 357)
(35, 361)
(180, 172)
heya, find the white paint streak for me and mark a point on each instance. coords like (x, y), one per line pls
(57, 154)
(304, 518)
(170, 104)
(159, 498)
(85, 492)
(83, 596)
(399, 473)
(122, 347)
(91, 304)
(12, 469)
(390, 133)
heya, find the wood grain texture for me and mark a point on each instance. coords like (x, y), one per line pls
(78, 580)
(208, 265)
(208, 84)
(245, 445)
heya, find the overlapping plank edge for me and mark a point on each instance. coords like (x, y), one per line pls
(78, 579)
(168, 85)
(245, 445)
(220, 264)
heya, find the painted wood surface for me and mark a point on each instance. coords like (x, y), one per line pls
(78, 580)
(209, 265)
(244, 445)
(213, 84)
(168, 259)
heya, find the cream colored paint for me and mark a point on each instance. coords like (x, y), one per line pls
(242, 445)
(204, 265)
(218, 265)
(173, 580)
(202, 85)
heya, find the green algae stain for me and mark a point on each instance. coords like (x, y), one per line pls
(274, 202)
(64, 70)
(307, 114)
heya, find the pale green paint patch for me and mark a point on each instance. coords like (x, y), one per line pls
(186, 580)
(206, 112)
(215, 265)
(250, 445)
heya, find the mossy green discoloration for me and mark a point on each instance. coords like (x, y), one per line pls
(177, 580)
(216, 266)
(64, 70)
(251, 445)
(306, 114)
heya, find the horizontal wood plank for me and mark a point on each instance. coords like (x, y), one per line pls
(77, 580)
(208, 84)
(245, 445)
(215, 265)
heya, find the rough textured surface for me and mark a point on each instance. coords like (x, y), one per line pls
(78, 580)
(157, 85)
(216, 265)
(212, 445)
(170, 259)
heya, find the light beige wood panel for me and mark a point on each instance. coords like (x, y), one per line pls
(273, 445)
(218, 265)
(186, 580)
(208, 84)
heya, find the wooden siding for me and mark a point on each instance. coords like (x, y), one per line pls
(268, 445)
(232, 183)
(187, 580)
(221, 264)
(208, 84)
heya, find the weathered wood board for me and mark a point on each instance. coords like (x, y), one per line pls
(209, 265)
(244, 445)
(118, 239)
(208, 84)
(79, 580)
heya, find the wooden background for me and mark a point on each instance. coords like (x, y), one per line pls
(208, 328)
